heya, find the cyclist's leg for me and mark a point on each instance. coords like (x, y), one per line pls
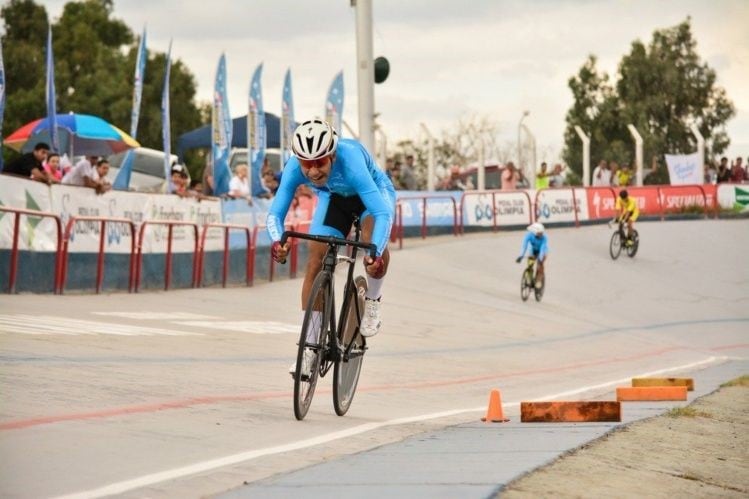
(629, 224)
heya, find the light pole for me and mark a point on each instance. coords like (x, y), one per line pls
(520, 131)
(365, 71)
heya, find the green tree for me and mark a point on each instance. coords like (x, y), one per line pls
(93, 74)
(24, 45)
(661, 89)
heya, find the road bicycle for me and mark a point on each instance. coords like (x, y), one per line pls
(529, 279)
(620, 240)
(333, 341)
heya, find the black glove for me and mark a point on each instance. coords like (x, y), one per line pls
(518, 259)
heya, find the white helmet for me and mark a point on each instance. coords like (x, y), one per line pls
(536, 228)
(314, 139)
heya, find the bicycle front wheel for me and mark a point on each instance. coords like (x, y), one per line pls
(313, 342)
(526, 283)
(348, 367)
(615, 248)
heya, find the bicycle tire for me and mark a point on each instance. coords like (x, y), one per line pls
(348, 368)
(526, 282)
(632, 250)
(615, 247)
(304, 386)
(539, 291)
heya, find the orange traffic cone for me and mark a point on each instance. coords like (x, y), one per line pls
(494, 413)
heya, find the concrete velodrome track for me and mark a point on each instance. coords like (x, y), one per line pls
(186, 393)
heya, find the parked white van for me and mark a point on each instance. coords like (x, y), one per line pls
(238, 155)
(148, 169)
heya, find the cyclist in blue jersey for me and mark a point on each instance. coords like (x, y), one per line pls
(348, 183)
(537, 240)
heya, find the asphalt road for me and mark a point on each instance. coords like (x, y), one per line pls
(186, 393)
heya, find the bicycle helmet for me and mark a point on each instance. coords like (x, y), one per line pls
(536, 228)
(623, 194)
(314, 139)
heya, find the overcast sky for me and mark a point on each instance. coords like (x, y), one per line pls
(449, 59)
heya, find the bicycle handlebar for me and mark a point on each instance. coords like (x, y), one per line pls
(331, 240)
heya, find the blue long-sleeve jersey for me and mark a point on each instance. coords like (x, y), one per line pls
(353, 172)
(539, 245)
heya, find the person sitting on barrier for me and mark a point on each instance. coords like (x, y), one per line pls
(239, 185)
(29, 165)
(538, 241)
(627, 211)
(52, 167)
(348, 184)
(179, 180)
(83, 174)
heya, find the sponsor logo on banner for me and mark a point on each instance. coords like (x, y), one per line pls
(510, 208)
(558, 205)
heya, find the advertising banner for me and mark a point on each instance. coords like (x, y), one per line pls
(601, 203)
(440, 209)
(558, 205)
(509, 208)
(35, 233)
(733, 196)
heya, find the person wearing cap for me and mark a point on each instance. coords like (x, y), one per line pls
(536, 239)
(348, 183)
(179, 180)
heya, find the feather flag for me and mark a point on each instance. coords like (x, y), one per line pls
(287, 119)
(256, 139)
(334, 103)
(221, 131)
(166, 132)
(122, 181)
(51, 95)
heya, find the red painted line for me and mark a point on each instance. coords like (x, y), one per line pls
(181, 404)
(730, 347)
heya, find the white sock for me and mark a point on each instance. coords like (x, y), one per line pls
(374, 288)
(313, 326)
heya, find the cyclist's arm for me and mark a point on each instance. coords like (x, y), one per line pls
(375, 202)
(525, 243)
(291, 179)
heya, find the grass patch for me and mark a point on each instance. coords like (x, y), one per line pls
(687, 412)
(740, 381)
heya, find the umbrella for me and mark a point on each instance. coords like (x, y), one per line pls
(80, 134)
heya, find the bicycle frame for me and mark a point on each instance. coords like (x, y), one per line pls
(330, 261)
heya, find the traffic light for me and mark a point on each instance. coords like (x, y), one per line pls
(381, 69)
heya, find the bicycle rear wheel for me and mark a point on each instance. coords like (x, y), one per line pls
(348, 367)
(632, 250)
(526, 283)
(317, 325)
(539, 290)
(615, 248)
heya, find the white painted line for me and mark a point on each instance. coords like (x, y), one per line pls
(46, 324)
(167, 316)
(253, 327)
(143, 481)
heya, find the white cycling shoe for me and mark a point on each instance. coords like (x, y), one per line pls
(370, 323)
(308, 359)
